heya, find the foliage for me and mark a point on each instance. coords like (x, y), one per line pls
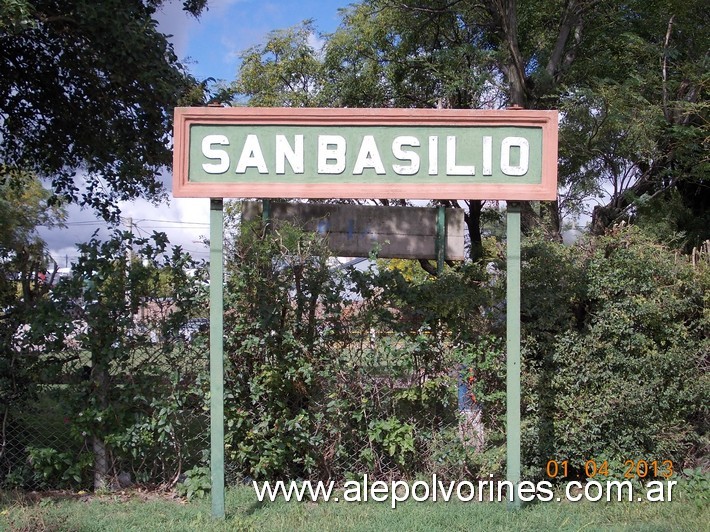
(615, 349)
(197, 483)
(26, 272)
(629, 78)
(129, 385)
(284, 72)
(23, 259)
(55, 468)
(410, 269)
(85, 87)
(321, 385)
(392, 55)
(696, 486)
(332, 373)
(669, 219)
(89, 86)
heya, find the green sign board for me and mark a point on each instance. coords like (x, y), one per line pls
(355, 153)
(311, 154)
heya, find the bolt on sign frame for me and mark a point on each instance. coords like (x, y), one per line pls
(316, 153)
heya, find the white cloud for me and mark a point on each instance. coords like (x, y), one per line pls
(184, 220)
(173, 21)
(316, 42)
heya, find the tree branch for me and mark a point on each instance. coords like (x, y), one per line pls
(667, 41)
(428, 267)
(570, 19)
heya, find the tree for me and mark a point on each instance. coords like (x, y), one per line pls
(660, 100)
(87, 91)
(23, 257)
(630, 79)
(623, 321)
(284, 72)
(86, 96)
(25, 277)
(130, 393)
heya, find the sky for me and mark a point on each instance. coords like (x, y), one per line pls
(210, 47)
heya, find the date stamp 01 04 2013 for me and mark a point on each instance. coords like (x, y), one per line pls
(633, 469)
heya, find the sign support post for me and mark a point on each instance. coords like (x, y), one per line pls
(440, 239)
(513, 349)
(217, 356)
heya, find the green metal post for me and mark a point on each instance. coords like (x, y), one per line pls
(266, 213)
(440, 239)
(513, 348)
(217, 357)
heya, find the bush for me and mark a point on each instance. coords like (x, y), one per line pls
(332, 373)
(616, 344)
(325, 386)
(119, 392)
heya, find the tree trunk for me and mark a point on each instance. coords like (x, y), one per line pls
(100, 464)
(473, 222)
(99, 378)
(553, 209)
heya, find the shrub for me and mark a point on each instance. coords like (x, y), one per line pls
(325, 386)
(616, 342)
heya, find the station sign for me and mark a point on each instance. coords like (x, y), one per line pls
(249, 152)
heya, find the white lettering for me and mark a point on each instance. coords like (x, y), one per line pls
(223, 164)
(326, 154)
(405, 155)
(400, 492)
(545, 492)
(471, 491)
(570, 495)
(505, 165)
(368, 157)
(446, 494)
(620, 486)
(671, 483)
(433, 155)
(252, 156)
(588, 492)
(379, 491)
(425, 495)
(284, 153)
(451, 167)
(487, 156)
(352, 491)
(655, 491)
(526, 491)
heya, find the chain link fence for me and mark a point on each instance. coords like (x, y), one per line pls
(330, 373)
(333, 373)
(386, 421)
(374, 417)
(142, 420)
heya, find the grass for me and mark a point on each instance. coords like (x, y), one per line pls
(137, 510)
